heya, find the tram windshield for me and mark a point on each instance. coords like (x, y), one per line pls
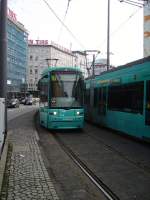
(66, 89)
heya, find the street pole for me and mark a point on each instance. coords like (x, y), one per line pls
(93, 62)
(93, 66)
(108, 35)
(3, 48)
(3, 59)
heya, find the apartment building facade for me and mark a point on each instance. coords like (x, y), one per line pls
(41, 54)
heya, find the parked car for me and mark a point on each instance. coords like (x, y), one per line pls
(22, 100)
(29, 101)
(13, 103)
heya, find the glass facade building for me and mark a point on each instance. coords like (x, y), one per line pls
(17, 55)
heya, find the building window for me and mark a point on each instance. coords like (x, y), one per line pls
(30, 71)
(31, 57)
(36, 71)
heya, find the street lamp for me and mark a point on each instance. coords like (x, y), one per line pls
(48, 60)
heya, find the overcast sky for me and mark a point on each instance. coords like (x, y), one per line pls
(87, 20)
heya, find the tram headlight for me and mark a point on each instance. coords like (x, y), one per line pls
(55, 113)
(79, 113)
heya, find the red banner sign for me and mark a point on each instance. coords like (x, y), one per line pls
(11, 15)
(38, 42)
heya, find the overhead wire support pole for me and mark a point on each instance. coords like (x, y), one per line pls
(93, 62)
(108, 36)
(3, 63)
(93, 66)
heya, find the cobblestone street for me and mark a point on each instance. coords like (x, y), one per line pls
(27, 175)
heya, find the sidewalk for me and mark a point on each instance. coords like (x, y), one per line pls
(27, 175)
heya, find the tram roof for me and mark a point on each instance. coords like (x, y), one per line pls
(128, 65)
(62, 68)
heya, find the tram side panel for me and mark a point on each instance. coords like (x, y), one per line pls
(121, 100)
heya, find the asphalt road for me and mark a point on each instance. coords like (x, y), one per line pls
(16, 112)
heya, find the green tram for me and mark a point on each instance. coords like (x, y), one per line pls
(61, 98)
(120, 99)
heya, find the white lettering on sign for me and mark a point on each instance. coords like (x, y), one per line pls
(38, 42)
(30, 41)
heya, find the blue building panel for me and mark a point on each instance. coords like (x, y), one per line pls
(17, 55)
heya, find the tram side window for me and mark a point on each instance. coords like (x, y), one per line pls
(102, 100)
(44, 91)
(127, 97)
(148, 95)
(95, 97)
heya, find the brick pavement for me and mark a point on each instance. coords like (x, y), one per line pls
(28, 177)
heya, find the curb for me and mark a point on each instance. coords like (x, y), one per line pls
(3, 162)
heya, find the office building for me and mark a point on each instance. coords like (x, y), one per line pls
(17, 54)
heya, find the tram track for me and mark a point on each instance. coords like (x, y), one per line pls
(108, 193)
(114, 171)
(109, 147)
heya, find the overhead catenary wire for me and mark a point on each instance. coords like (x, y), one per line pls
(67, 8)
(139, 3)
(61, 28)
(120, 26)
(73, 36)
(134, 3)
(123, 23)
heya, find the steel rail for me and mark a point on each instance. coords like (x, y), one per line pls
(95, 180)
(137, 164)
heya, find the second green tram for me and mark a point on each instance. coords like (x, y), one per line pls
(61, 98)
